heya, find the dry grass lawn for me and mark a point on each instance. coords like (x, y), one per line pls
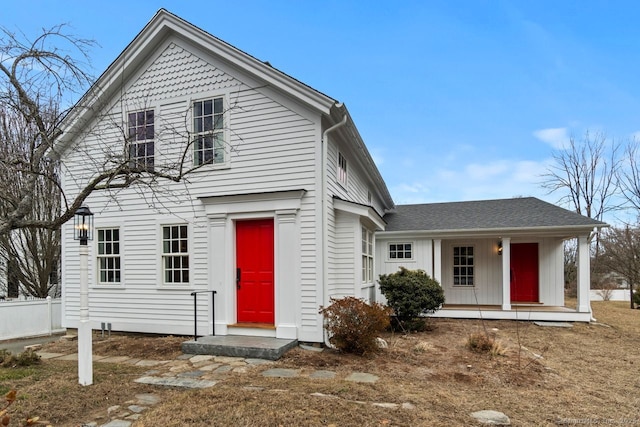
(588, 372)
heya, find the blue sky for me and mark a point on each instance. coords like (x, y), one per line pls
(456, 100)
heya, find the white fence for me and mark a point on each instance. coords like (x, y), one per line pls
(616, 294)
(20, 319)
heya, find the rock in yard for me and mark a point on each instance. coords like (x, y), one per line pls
(492, 418)
(381, 343)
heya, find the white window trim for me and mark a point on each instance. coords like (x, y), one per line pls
(370, 257)
(155, 131)
(475, 271)
(226, 117)
(161, 284)
(401, 242)
(344, 183)
(96, 284)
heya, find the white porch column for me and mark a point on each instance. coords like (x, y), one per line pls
(584, 275)
(217, 273)
(506, 273)
(287, 276)
(437, 260)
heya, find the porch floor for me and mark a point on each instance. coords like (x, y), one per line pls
(514, 307)
(529, 312)
(239, 346)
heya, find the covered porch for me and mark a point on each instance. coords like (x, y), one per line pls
(495, 259)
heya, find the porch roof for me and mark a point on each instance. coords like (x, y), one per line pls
(502, 214)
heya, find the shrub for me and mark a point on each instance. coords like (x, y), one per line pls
(26, 358)
(411, 294)
(636, 297)
(353, 325)
(480, 342)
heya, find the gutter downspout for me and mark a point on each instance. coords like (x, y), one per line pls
(323, 203)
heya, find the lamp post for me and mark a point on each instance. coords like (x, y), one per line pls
(83, 231)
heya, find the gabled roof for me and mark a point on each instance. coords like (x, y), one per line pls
(164, 24)
(526, 213)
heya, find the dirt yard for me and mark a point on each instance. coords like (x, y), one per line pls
(561, 376)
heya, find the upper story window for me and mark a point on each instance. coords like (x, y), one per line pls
(342, 169)
(463, 266)
(400, 251)
(141, 136)
(109, 270)
(367, 255)
(175, 254)
(208, 127)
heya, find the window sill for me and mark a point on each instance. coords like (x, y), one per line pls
(182, 288)
(464, 286)
(107, 286)
(210, 167)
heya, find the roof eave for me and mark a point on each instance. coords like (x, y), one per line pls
(565, 231)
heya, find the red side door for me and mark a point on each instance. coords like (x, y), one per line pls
(524, 272)
(254, 271)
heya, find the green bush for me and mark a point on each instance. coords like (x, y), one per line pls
(411, 294)
(636, 297)
(353, 325)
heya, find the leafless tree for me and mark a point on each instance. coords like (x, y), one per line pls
(629, 174)
(621, 254)
(36, 75)
(37, 79)
(585, 173)
(31, 255)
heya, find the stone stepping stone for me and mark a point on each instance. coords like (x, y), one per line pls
(200, 358)
(362, 377)
(136, 408)
(256, 362)
(492, 418)
(190, 374)
(44, 355)
(147, 399)
(117, 423)
(114, 359)
(151, 362)
(323, 375)
(176, 382)
(72, 356)
(281, 373)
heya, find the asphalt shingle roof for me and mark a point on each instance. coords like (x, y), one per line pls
(522, 212)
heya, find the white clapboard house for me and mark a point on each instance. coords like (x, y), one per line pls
(287, 211)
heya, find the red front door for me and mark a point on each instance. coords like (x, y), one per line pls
(524, 272)
(254, 271)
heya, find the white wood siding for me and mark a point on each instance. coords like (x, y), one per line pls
(273, 148)
(487, 268)
(344, 276)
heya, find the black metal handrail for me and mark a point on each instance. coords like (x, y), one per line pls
(195, 311)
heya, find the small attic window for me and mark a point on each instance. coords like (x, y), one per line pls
(341, 175)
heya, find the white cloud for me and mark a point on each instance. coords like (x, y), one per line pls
(498, 179)
(555, 137)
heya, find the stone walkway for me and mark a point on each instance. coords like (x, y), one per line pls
(196, 371)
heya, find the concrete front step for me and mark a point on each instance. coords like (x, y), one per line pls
(240, 346)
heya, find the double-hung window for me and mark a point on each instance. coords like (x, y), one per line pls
(141, 140)
(109, 269)
(175, 254)
(463, 266)
(208, 128)
(367, 256)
